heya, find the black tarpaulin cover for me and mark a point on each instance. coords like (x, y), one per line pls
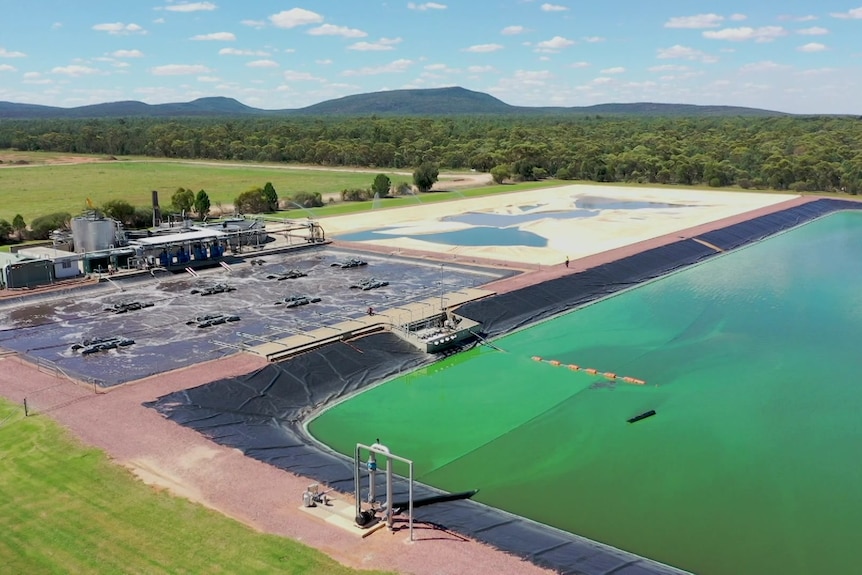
(509, 311)
(262, 414)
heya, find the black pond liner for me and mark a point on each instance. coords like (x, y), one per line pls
(262, 413)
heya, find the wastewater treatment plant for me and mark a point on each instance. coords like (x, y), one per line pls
(676, 397)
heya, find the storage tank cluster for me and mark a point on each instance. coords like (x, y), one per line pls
(93, 234)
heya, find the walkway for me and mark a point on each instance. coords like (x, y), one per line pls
(409, 313)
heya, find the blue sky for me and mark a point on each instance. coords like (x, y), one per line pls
(794, 56)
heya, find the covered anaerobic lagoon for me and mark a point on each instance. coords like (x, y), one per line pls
(751, 363)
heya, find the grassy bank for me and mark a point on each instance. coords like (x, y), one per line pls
(67, 509)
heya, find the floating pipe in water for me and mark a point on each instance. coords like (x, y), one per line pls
(643, 415)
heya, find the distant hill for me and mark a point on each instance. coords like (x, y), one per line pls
(426, 102)
(216, 106)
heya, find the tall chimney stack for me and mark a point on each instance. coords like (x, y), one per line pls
(157, 213)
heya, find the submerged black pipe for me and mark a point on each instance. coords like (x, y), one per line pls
(643, 415)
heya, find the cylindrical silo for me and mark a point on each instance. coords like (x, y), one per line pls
(93, 234)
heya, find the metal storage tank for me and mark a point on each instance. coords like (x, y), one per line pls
(94, 234)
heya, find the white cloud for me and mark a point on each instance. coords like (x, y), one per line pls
(552, 8)
(191, 7)
(262, 64)
(208, 79)
(127, 54)
(813, 31)
(56, 25)
(480, 69)
(685, 53)
(817, 71)
(74, 70)
(395, 67)
(118, 28)
(159, 21)
(532, 77)
(762, 34)
(512, 30)
(852, 14)
(697, 21)
(579, 65)
(295, 17)
(614, 70)
(333, 30)
(253, 23)
(555, 44)
(35, 78)
(325, 62)
(668, 68)
(179, 69)
(738, 17)
(812, 47)
(791, 18)
(640, 85)
(483, 48)
(764, 66)
(380, 45)
(592, 39)
(601, 80)
(240, 52)
(7, 68)
(4, 53)
(438, 71)
(295, 76)
(217, 36)
(426, 6)
(680, 76)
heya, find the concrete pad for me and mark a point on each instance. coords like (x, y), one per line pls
(340, 514)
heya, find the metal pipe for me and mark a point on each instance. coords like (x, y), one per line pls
(356, 483)
(389, 514)
(372, 477)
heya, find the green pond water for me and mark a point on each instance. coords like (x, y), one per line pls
(752, 463)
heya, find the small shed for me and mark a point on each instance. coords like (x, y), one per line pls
(66, 264)
(20, 271)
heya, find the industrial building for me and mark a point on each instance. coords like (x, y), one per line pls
(99, 245)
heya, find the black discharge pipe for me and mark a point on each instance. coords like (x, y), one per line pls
(399, 506)
(367, 516)
(643, 415)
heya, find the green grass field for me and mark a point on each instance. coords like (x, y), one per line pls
(43, 188)
(65, 508)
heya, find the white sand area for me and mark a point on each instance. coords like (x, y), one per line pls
(601, 228)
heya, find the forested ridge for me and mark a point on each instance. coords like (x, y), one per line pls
(783, 153)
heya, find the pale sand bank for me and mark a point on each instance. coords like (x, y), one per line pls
(601, 229)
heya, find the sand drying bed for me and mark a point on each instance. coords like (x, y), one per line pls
(572, 221)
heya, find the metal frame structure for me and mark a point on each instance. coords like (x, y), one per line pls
(373, 451)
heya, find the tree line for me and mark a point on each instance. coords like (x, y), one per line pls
(783, 153)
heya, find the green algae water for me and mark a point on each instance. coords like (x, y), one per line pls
(751, 464)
